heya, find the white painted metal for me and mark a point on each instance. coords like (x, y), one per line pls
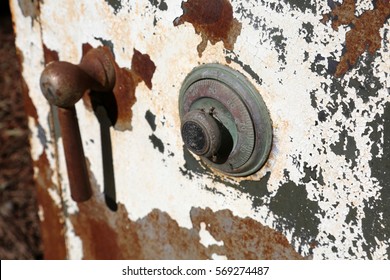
(147, 179)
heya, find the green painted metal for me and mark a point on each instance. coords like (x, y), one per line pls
(239, 107)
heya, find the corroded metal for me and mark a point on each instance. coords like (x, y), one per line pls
(63, 84)
(235, 104)
(74, 154)
(213, 20)
(322, 69)
(365, 34)
(111, 235)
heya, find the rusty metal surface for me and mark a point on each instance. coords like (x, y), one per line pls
(52, 216)
(213, 20)
(158, 236)
(322, 193)
(364, 34)
(75, 160)
(118, 102)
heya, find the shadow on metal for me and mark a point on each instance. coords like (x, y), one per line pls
(108, 167)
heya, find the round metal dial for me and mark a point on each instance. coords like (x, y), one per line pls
(201, 133)
(216, 100)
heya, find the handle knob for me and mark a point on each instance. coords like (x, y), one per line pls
(63, 84)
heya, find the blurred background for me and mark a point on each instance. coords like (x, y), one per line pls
(19, 225)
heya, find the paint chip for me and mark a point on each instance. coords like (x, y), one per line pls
(364, 34)
(213, 20)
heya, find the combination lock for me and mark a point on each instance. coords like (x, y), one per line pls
(224, 120)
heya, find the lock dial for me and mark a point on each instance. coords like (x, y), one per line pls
(224, 120)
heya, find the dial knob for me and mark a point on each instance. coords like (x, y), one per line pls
(201, 133)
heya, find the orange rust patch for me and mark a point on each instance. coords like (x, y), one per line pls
(126, 82)
(49, 55)
(86, 47)
(156, 236)
(112, 235)
(364, 34)
(122, 96)
(52, 226)
(124, 92)
(144, 67)
(213, 20)
(243, 238)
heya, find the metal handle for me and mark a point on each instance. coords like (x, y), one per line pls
(63, 84)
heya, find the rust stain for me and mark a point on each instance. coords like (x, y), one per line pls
(52, 226)
(49, 55)
(213, 20)
(144, 67)
(86, 47)
(158, 236)
(364, 34)
(124, 92)
(243, 238)
(122, 98)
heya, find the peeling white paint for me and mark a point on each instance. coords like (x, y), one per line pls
(206, 238)
(218, 257)
(147, 179)
(54, 196)
(73, 243)
(36, 146)
(362, 6)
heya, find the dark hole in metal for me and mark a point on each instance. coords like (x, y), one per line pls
(226, 145)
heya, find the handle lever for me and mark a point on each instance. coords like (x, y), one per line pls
(63, 84)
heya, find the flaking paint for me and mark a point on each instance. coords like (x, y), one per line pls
(118, 103)
(158, 236)
(213, 20)
(324, 186)
(364, 34)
